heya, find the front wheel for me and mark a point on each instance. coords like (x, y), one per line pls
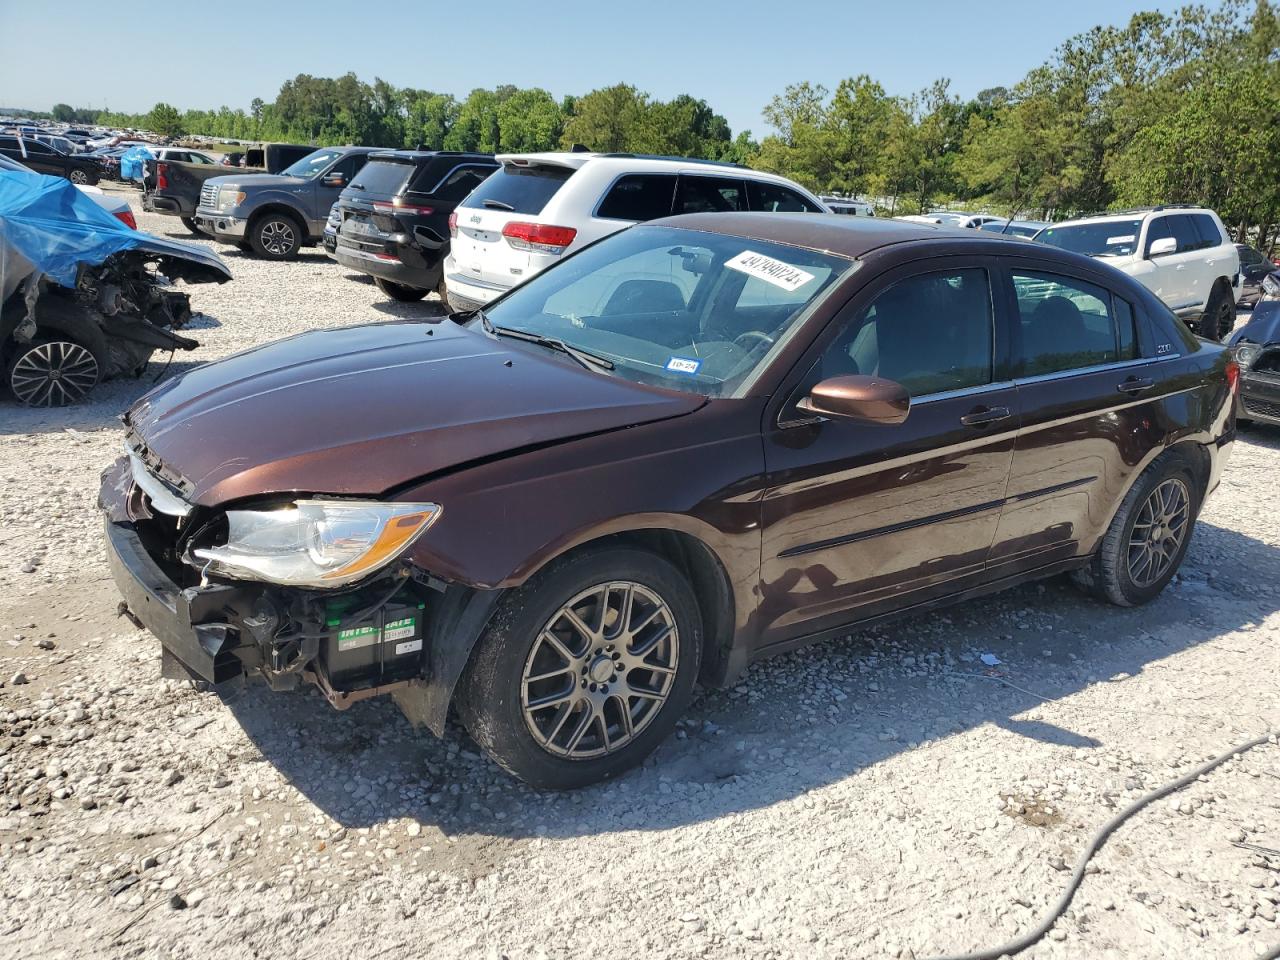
(584, 670)
(398, 291)
(276, 236)
(1219, 315)
(1148, 538)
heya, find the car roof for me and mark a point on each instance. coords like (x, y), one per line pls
(847, 236)
(635, 162)
(429, 154)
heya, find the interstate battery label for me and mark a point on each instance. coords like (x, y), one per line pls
(358, 637)
(769, 270)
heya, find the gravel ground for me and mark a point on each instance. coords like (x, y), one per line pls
(890, 795)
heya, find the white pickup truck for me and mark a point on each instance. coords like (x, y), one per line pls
(1181, 253)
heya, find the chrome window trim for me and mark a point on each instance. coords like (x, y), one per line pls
(961, 392)
(1095, 368)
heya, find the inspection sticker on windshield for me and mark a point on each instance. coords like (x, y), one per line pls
(1113, 241)
(769, 270)
(683, 365)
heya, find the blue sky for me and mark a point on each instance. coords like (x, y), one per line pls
(734, 55)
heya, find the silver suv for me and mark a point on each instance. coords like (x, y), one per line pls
(1181, 254)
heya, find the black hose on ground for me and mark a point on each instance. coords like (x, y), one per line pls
(1020, 943)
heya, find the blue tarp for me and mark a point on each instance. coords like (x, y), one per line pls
(48, 226)
(132, 162)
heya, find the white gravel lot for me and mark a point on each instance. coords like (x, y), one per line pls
(884, 796)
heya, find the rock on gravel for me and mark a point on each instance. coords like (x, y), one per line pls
(888, 795)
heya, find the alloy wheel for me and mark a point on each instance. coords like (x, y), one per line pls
(277, 237)
(600, 670)
(53, 374)
(79, 176)
(1159, 531)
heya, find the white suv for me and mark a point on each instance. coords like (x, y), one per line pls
(537, 207)
(1182, 254)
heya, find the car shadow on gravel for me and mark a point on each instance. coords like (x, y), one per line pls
(794, 723)
(103, 407)
(421, 310)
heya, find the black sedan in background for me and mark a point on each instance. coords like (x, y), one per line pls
(43, 158)
(1257, 350)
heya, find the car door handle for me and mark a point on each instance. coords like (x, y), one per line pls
(1135, 384)
(981, 416)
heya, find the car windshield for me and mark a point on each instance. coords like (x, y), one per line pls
(313, 164)
(682, 309)
(1106, 238)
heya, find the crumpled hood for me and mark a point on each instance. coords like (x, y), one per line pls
(1263, 326)
(360, 410)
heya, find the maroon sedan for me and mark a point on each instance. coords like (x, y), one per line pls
(695, 443)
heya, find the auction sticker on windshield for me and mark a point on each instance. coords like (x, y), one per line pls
(773, 271)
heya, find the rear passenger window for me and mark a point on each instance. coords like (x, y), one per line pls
(772, 198)
(1210, 235)
(709, 195)
(639, 197)
(1068, 324)
(930, 333)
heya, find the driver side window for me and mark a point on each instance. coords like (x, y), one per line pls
(931, 333)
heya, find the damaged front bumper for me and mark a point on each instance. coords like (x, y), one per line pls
(1260, 395)
(405, 634)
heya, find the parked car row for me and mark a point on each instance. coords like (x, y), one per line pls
(43, 158)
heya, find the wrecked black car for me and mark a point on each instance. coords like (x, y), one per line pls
(1257, 346)
(84, 298)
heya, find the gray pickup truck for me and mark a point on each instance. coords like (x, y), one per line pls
(276, 215)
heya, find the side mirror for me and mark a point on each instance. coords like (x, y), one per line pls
(1162, 247)
(868, 399)
(334, 180)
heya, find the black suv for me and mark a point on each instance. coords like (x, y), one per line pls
(392, 222)
(43, 158)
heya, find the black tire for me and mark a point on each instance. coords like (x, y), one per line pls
(442, 291)
(398, 291)
(190, 224)
(1219, 314)
(490, 694)
(1109, 576)
(276, 236)
(244, 245)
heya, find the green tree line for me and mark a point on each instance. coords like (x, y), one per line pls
(1180, 107)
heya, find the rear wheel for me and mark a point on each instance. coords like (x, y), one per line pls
(1219, 315)
(51, 373)
(78, 176)
(1146, 542)
(585, 669)
(276, 236)
(398, 291)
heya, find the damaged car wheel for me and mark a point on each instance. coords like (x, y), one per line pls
(51, 373)
(585, 670)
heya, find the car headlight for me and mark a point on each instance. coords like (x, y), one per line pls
(1271, 285)
(229, 198)
(316, 543)
(1247, 353)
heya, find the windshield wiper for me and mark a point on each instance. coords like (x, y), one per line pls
(585, 359)
(498, 205)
